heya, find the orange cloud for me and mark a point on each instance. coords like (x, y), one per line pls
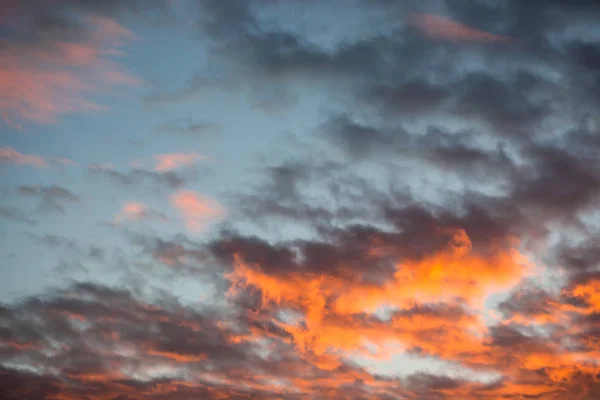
(437, 27)
(589, 292)
(180, 358)
(39, 82)
(455, 275)
(172, 161)
(196, 209)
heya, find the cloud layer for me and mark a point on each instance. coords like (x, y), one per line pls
(439, 210)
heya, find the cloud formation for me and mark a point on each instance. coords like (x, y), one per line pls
(438, 27)
(51, 198)
(172, 161)
(137, 176)
(54, 69)
(9, 155)
(135, 211)
(438, 209)
(196, 210)
(187, 126)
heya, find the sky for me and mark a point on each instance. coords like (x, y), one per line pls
(277, 199)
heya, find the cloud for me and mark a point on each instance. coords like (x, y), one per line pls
(137, 176)
(172, 161)
(9, 155)
(51, 335)
(52, 198)
(442, 214)
(361, 271)
(15, 214)
(196, 209)
(53, 70)
(181, 254)
(438, 27)
(187, 126)
(134, 211)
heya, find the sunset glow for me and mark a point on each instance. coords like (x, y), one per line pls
(289, 200)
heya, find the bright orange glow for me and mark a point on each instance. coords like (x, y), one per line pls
(447, 276)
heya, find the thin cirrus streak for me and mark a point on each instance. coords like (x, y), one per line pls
(442, 28)
(39, 82)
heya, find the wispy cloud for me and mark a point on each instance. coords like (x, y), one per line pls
(172, 161)
(137, 176)
(135, 211)
(438, 27)
(52, 198)
(197, 210)
(8, 155)
(15, 214)
(188, 127)
(40, 80)
(11, 156)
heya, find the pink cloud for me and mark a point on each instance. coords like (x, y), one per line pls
(437, 27)
(196, 209)
(172, 161)
(108, 30)
(9, 155)
(134, 211)
(41, 81)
